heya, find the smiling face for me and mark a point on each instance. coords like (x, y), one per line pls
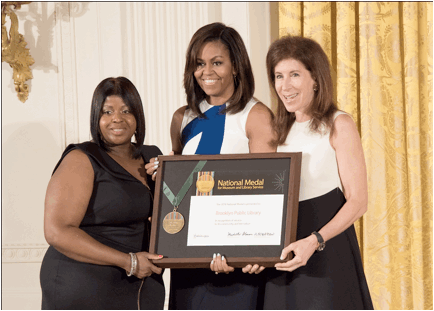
(294, 85)
(117, 123)
(214, 73)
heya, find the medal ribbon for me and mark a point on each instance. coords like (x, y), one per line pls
(177, 200)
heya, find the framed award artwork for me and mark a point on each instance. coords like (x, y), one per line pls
(243, 206)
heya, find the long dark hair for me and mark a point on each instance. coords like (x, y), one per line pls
(244, 81)
(126, 90)
(314, 59)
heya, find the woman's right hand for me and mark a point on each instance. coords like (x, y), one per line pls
(151, 167)
(144, 265)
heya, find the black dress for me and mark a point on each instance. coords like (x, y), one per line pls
(202, 289)
(117, 216)
(333, 278)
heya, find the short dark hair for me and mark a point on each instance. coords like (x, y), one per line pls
(126, 90)
(314, 59)
(244, 81)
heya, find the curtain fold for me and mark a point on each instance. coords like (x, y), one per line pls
(381, 58)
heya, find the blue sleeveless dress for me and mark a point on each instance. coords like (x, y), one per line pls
(202, 289)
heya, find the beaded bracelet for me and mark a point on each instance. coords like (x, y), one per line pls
(133, 264)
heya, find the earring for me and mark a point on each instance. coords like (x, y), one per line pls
(315, 87)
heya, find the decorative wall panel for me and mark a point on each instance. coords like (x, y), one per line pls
(65, 39)
(19, 253)
(155, 42)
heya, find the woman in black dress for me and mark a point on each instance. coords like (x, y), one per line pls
(326, 271)
(97, 207)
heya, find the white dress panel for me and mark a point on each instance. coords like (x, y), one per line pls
(319, 167)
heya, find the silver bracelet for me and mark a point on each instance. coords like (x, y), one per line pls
(133, 264)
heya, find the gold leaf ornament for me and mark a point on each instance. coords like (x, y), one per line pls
(14, 50)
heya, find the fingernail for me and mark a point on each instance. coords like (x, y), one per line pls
(218, 254)
(155, 166)
(282, 258)
(212, 261)
(156, 159)
(160, 256)
(214, 256)
(156, 162)
(223, 257)
(154, 173)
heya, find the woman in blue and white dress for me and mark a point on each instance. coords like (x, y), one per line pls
(326, 271)
(221, 117)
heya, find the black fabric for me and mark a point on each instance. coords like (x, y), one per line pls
(333, 278)
(202, 289)
(117, 216)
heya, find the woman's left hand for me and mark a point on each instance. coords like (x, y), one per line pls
(303, 249)
(256, 269)
(219, 264)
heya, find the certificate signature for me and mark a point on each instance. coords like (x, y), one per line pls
(221, 220)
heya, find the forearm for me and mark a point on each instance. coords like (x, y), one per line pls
(347, 215)
(78, 245)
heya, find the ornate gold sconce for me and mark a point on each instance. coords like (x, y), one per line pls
(14, 50)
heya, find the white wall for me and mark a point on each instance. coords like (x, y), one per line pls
(75, 45)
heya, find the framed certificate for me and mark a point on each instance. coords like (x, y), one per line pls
(243, 206)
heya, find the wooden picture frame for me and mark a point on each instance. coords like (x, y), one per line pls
(257, 176)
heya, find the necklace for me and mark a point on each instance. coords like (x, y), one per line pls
(174, 221)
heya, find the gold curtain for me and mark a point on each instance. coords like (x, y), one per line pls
(381, 56)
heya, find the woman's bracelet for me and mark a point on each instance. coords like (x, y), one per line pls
(133, 264)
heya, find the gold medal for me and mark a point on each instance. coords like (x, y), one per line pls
(205, 183)
(173, 222)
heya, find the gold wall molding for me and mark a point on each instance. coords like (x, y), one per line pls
(14, 50)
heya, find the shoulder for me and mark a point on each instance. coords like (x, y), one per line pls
(178, 116)
(339, 113)
(150, 151)
(179, 113)
(344, 130)
(343, 121)
(259, 129)
(80, 151)
(259, 119)
(74, 160)
(259, 110)
(259, 106)
(76, 155)
(86, 147)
